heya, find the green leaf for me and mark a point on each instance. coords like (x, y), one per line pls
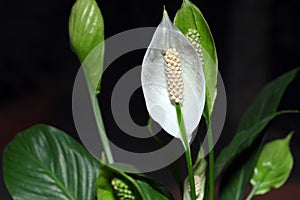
(148, 192)
(237, 176)
(105, 188)
(86, 27)
(154, 184)
(191, 22)
(190, 17)
(260, 113)
(43, 163)
(136, 189)
(273, 166)
(86, 30)
(200, 178)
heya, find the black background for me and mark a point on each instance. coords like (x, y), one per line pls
(256, 41)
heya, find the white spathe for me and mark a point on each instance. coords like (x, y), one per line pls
(154, 80)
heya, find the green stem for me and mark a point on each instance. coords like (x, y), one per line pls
(187, 151)
(102, 133)
(252, 193)
(211, 162)
(149, 126)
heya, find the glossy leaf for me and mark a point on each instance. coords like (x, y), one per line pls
(193, 25)
(105, 189)
(154, 80)
(43, 163)
(190, 17)
(260, 113)
(148, 192)
(86, 27)
(236, 177)
(137, 189)
(154, 184)
(86, 30)
(273, 166)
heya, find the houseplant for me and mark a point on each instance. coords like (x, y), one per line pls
(44, 163)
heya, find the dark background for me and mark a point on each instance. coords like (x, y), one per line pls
(257, 40)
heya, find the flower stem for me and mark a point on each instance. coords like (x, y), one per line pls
(149, 126)
(252, 193)
(102, 133)
(187, 151)
(211, 162)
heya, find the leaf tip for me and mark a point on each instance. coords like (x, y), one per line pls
(185, 2)
(289, 136)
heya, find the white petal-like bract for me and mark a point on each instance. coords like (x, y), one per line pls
(154, 80)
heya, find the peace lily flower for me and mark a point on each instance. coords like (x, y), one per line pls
(172, 73)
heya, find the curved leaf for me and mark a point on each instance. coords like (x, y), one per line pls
(154, 184)
(273, 167)
(260, 113)
(105, 187)
(189, 17)
(135, 189)
(86, 30)
(149, 193)
(43, 163)
(86, 27)
(236, 177)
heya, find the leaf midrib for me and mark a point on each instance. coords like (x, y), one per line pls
(52, 175)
